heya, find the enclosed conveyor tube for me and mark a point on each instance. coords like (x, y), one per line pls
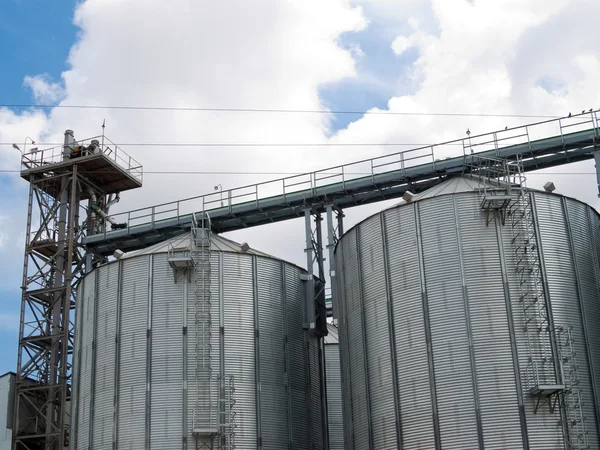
(97, 210)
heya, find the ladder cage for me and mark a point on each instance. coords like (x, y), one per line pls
(214, 415)
(504, 195)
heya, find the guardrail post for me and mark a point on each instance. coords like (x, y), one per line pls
(560, 128)
(402, 163)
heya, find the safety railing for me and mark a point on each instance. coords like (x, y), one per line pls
(311, 183)
(36, 158)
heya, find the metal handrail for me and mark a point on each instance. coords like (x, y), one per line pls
(54, 155)
(398, 161)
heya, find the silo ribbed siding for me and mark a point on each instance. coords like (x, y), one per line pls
(446, 270)
(135, 353)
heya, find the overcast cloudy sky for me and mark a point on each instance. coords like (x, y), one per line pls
(526, 57)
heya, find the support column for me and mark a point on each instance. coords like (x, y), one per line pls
(314, 254)
(597, 165)
(333, 235)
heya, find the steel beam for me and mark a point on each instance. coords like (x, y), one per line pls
(53, 264)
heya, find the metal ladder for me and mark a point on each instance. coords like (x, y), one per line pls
(227, 423)
(496, 175)
(540, 370)
(204, 425)
(574, 419)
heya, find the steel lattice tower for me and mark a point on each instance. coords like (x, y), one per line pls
(60, 178)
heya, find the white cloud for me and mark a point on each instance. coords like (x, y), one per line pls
(401, 44)
(43, 89)
(486, 57)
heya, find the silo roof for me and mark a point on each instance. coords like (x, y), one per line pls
(183, 242)
(453, 185)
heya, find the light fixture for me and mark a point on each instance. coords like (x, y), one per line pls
(17, 147)
(549, 186)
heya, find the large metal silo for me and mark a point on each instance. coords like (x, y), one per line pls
(196, 343)
(468, 323)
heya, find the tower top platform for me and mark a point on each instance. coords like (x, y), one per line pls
(98, 159)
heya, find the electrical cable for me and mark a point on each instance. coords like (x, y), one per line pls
(245, 144)
(261, 110)
(191, 172)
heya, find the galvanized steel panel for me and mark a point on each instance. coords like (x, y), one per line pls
(473, 359)
(494, 369)
(166, 418)
(273, 393)
(317, 427)
(352, 299)
(411, 348)
(104, 385)
(150, 378)
(334, 397)
(591, 303)
(239, 343)
(298, 381)
(85, 329)
(132, 371)
(458, 427)
(377, 335)
(344, 356)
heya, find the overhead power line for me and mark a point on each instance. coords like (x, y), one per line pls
(248, 144)
(208, 172)
(282, 111)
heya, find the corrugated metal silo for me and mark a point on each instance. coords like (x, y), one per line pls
(210, 355)
(459, 330)
(334, 389)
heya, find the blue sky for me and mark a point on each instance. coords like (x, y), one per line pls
(35, 38)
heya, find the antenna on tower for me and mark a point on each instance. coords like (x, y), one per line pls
(103, 127)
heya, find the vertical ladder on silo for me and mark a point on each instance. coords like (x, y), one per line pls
(204, 422)
(227, 422)
(574, 421)
(541, 371)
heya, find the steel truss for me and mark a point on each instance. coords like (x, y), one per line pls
(55, 260)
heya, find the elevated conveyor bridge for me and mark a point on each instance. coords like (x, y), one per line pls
(574, 138)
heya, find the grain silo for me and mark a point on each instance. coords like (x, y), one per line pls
(470, 318)
(196, 342)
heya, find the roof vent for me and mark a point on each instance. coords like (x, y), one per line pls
(549, 186)
(244, 247)
(408, 196)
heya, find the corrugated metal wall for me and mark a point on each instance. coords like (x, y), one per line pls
(135, 347)
(334, 397)
(453, 332)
